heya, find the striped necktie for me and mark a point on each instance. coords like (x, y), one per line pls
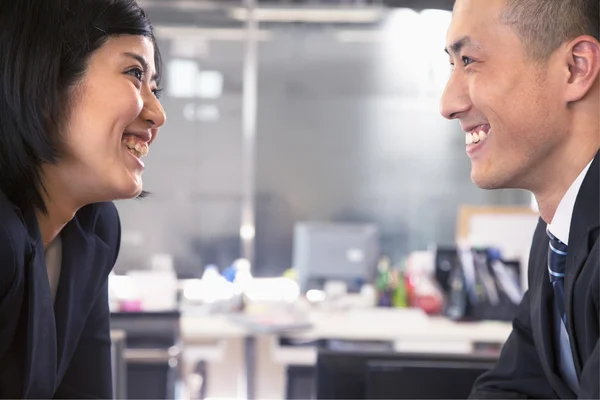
(557, 259)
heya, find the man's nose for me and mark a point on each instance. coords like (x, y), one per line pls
(455, 99)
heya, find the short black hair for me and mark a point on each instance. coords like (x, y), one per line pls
(544, 25)
(45, 46)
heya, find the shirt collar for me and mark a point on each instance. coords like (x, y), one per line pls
(560, 226)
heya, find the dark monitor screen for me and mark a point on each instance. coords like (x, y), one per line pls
(345, 375)
(427, 379)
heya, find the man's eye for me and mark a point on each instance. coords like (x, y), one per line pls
(467, 60)
(137, 73)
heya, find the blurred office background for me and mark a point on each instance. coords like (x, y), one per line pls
(348, 130)
(347, 133)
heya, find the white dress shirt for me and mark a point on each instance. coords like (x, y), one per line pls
(560, 226)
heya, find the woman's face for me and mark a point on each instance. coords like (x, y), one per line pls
(114, 118)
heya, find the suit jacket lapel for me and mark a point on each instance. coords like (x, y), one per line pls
(586, 218)
(40, 362)
(83, 264)
(542, 306)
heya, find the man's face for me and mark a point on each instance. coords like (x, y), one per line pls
(506, 103)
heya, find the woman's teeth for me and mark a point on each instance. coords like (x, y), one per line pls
(138, 149)
(475, 136)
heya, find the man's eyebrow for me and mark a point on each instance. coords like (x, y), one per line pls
(142, 61)
(460, 43)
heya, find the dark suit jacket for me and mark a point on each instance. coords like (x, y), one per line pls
(64, 350)
(527, 364)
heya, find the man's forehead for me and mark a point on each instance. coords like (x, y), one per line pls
(481, 8)
(473, 20)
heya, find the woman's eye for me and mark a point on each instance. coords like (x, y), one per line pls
(157, 92)
(137, 73)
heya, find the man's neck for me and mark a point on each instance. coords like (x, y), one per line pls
(559, 178)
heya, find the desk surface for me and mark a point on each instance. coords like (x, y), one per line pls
(410, 330)
(358, 324)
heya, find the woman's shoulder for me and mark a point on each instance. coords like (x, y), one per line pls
(14, 241)
(103, 217)
(13, 232)
(103, 220)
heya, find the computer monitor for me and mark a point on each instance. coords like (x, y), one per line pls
(334, 251)
(423, 379)
(356, 375)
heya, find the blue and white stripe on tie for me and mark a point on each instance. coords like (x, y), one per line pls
(557, 260)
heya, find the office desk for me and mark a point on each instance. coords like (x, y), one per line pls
(221, 342)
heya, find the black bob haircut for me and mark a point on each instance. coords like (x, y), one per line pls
(45, 46)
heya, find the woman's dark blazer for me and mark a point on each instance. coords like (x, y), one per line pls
(61, 350)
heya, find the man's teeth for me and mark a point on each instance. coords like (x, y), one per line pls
(475, 137)
(136, 148)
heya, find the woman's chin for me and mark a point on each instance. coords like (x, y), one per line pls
(135, 186)
(130, 191)
(123, 187)
(135, 192)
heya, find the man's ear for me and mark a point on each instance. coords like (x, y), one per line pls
(583, 58)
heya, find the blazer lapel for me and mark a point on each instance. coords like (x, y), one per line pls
(542, 306)
(40, 362)
(586, 218)
(84, 258)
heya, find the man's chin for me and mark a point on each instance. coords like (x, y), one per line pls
(485, 181)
